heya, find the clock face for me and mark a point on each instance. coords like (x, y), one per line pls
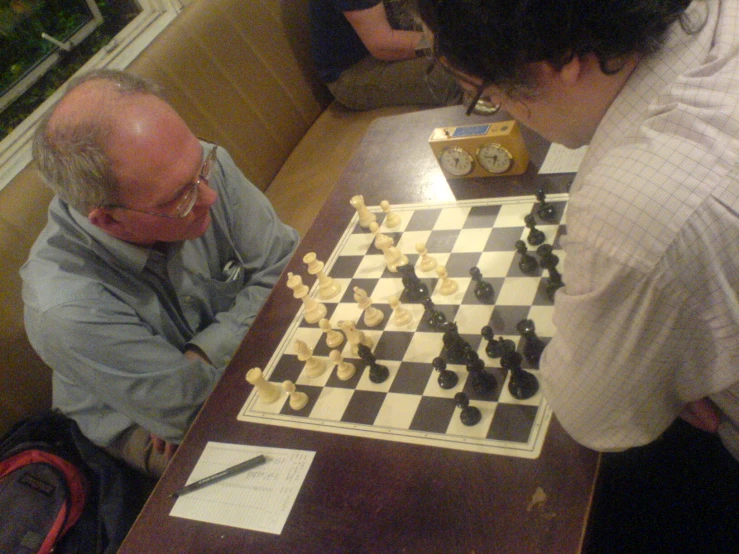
(494, 158)
(456, 161)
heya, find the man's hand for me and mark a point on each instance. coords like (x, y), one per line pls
(163, 447)
(702, 414)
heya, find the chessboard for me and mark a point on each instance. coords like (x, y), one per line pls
(410, 405)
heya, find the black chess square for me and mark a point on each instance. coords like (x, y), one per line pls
(411, 378)
(505, 318)
(512, 422)
(459, 263)
(433, 415)
(422, 220)
(503, 239)
(442, 241)
(481, 217)
(346, 266)
(392, 345)
(363, 407)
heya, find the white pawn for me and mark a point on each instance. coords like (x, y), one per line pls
(448, 286)
(327, 287)
(314, 310)
(391, 219)
(355, 336)
(394, 258)
(426, 263)
(268, 392)
(381, 241)
(298, 399)
(314, 367)
(372, 316)
(333, 338)
(401, 315)
(365, 216)
(344, 370)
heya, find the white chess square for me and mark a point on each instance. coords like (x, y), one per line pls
(371, 267)
(451, 218)
(397, 410)
(517, 291)
(471, 318)
(471, 240)
(385, 288)
(550, 232)
(495, 264)
(357, 245)
(273, 408)
(309, 335)
(410, 239)
(416, 313)
(343, 283)
(321, 379)
(511, 215)
(542, 317)
(331, 403)
(480, 430)
(421, 344)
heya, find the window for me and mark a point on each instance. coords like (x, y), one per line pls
(68, 27)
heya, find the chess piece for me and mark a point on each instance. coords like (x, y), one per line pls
(533, 345)
(344, 370)
(545, 210)
(298, 399)
(365, 216)
(483, 383)
(521, 383)
(455, 346)
(447, 378)
(496, 348)
(355, 336)
(372, 316)
(382, 241)
(536, 237)
(334, 338)
(391, 219)
(470, 415)
(548, 260)
(425, 262)
(268, 392)
(414, 290)
(327, 287)
(527, 264)
(314, 311)
(314, 367)
(401, 316)
(484, 291)
(394, 258)
(435, 318)
(378, 373)
(448, 286)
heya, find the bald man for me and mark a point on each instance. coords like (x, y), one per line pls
(156, 258)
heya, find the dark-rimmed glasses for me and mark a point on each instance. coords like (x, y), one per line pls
(494, 108)
(188, 198)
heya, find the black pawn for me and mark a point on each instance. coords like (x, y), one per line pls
(470, 415)
(549, 261)
(533, 345)
(447, 378)
(536, 237)
(435, 318)
(378, 373)
(483, 289)
(483, 383)
(527, 264)
(496, 348)
(415, 290)
(522, 384)
(454, 345)
(545, 210)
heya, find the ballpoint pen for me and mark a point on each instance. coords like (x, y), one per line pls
(235, 470)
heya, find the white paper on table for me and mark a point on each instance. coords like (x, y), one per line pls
(259, 499)
(561, 159)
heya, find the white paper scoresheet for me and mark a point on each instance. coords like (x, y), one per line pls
(259, 499)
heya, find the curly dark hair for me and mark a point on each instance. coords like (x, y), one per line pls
(494, 40)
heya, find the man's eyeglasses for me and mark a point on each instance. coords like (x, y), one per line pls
(489, 110)
(187, 200)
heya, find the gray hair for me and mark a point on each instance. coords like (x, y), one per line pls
(72, 157)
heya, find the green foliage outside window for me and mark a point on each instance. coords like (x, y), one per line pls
(21, 25)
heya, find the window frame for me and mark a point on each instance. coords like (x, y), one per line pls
(155, 16)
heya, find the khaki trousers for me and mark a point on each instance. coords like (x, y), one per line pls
(135, 448)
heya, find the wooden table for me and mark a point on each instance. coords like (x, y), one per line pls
(369, 495)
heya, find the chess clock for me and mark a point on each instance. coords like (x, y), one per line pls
(483, 150)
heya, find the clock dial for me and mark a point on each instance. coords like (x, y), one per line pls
(494, 158)
(456, 161)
